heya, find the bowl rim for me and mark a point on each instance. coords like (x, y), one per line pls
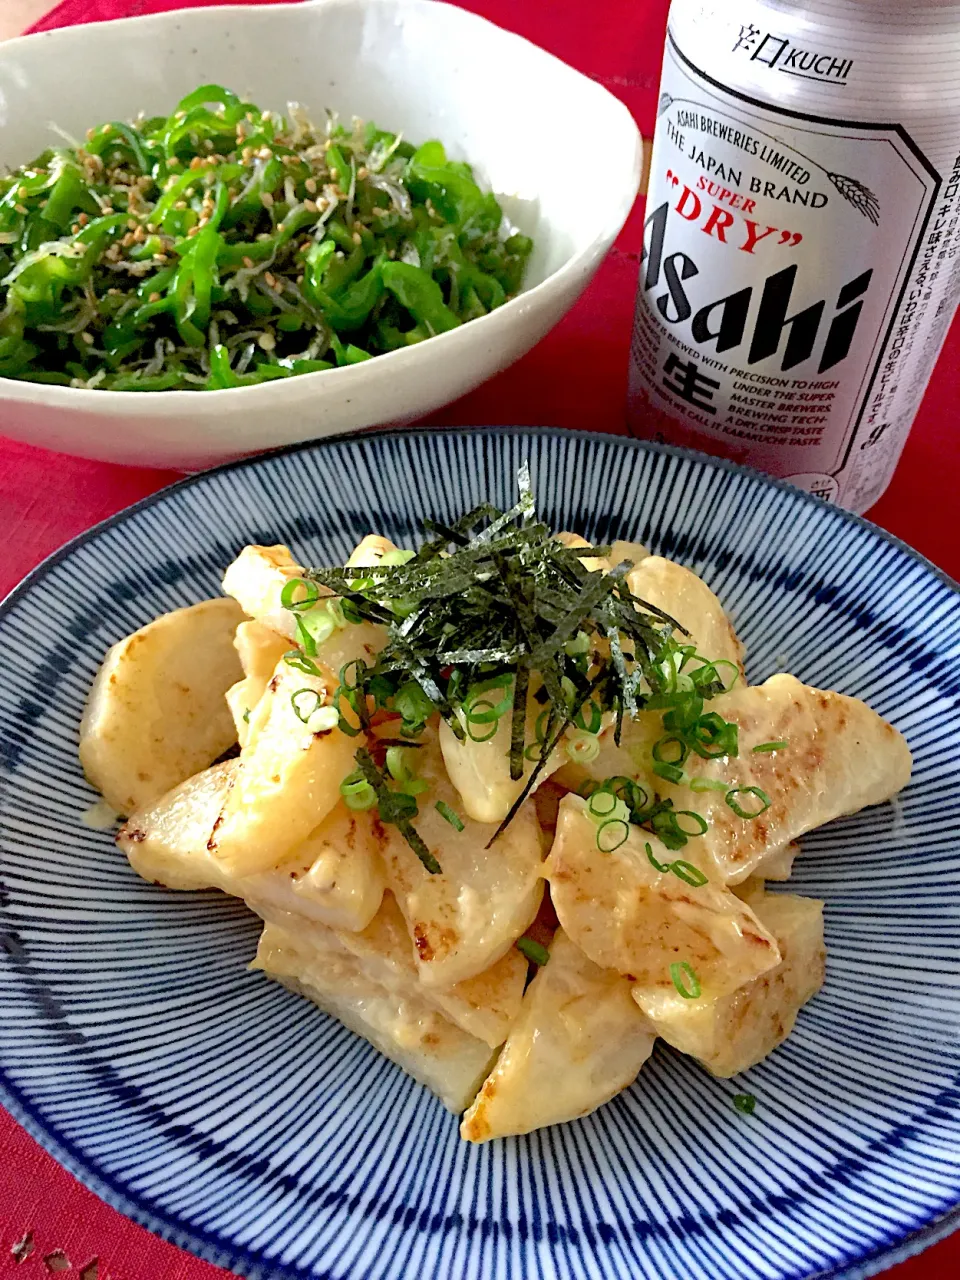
(205, 1245)
(18, 391)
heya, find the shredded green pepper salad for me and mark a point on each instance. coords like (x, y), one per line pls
(225, 245)
(492, 612)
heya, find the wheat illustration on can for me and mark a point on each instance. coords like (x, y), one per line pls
(857, 194)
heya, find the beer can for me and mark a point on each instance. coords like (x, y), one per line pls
(801, 260)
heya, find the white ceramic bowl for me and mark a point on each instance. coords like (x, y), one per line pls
(523, 118)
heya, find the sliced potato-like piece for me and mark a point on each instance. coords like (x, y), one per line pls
(485, 1006)
(626, 915)
(840, 756)
(369, 551)
(596, 564)
(156, 712)
(257, 578)
(631, 759)
(778, 863)
(417, 1038)
(480, 771)
(578, 1041)
(336, 876)
(633, 552)
(166, 842)
(734, 1032)
(686, 598)
(464, 920)
(259, 649)
(288, 779)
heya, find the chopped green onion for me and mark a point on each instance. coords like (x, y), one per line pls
(677, 756)
(300, 662)
(769, 746)
(753, 812)
(685, 980)
(580, 643)
(699, 823)
(708, 784)
(399, 769)
(662, 867)
(612, 834)
(534, 952)
(745, 1103)
(414, 706)
(581, 748)
(289, 599)
(669, 772)
(357, 792)
(602, 804)
(688, 873)
(306, 702)
(246, 715)
(685, 871)
(449, 814)
(596, 717)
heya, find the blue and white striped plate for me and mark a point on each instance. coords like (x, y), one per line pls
(232, 1118)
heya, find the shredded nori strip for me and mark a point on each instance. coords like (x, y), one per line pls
(494, 594)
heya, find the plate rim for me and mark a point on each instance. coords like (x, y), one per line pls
(386, 433)
(239, 1259)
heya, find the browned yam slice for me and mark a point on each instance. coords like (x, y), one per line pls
(840, 756)
(627, 916)
(577, 1042)
(734, 1032)
(157, 712)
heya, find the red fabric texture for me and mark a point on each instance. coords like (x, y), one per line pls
(575, 378)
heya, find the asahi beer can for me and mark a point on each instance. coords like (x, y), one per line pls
(801, 259)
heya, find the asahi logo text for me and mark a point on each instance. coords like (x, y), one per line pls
(792, 59)
(726, 320)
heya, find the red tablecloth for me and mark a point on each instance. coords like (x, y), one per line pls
(575, 378)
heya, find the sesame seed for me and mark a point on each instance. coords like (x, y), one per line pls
(87, 338)
(311, 206)
(83, 219)
(139, 235)
(266, 199)
(20, 208)
(154, 297)
(247, 261)
(299, 279)
(132, 224)
(266, 342)
(265, 153)
(363, 172)
(75, 228)
(115, 293)
(152, 228)
(174, 162)
(357, 238)
(181, 204)
(270, 278)
(194, 230)
(160, 257)
(196, 162)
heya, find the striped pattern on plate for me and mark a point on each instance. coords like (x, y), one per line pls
(234, 1119)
